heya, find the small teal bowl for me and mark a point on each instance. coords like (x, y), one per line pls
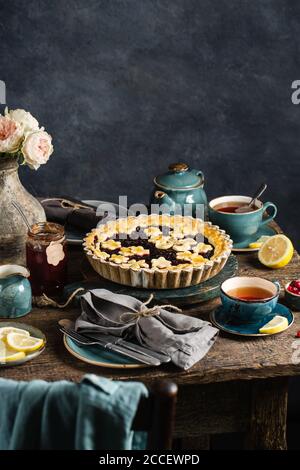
(15, 291)
(291, 300)
(250, 312)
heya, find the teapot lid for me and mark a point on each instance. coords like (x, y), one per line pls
(180, 176)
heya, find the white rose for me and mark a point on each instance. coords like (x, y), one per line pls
(24, 118)
(11, 134)
(37, 148)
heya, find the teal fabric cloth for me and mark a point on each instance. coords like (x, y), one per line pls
(96, 414)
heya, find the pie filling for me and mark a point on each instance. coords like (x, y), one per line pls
(153, 246)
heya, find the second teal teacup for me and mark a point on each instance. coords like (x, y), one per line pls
(240, 226)
(249, 300)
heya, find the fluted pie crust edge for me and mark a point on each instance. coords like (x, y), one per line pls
(154, 277)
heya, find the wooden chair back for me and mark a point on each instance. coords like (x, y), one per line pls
(156, 415)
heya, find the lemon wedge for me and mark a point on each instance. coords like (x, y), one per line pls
(276, 325)
(276, 252)
(19, 342)
(259, 241)
(5, 330)
(9, 355)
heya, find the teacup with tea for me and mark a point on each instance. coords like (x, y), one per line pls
(240, 225)
(249, 300)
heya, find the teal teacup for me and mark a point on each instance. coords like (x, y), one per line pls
(256, 308)
(241, 226)
(15, 291)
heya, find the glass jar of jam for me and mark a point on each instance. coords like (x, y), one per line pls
(46, 254)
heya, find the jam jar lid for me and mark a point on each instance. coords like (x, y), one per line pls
(46, 232)
(180, 176)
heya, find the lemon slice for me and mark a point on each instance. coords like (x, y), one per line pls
(9, 355)
(5, 330)
(276, 252)
(24, 343)
(259, 241)
(255, 245)
(276, 325)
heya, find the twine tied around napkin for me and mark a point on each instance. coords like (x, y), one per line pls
(146, 311)
(67, 204)
(72, 213)
(184, 338)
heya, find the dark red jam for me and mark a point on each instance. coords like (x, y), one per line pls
(46, 254)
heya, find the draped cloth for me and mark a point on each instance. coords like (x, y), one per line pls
(184, 338)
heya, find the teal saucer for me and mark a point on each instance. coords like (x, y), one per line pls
(220, 319)
(265, 230)
(98, 356)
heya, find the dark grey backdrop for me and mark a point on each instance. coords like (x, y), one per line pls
(126, 87)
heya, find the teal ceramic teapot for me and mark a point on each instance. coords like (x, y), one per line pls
(15, 291)
(180, 185)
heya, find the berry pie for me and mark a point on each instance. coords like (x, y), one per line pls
(157, 251)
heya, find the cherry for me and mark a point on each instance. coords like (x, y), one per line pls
(296, 284)
(298, 334)
(293, 289)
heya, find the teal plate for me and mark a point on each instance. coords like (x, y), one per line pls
(33, 332)
(98, 356)
(266, 230)
(202, 292)
(220, 319)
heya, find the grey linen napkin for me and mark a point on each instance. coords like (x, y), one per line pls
(185, 339)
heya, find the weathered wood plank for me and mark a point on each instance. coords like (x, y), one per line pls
(231, 358)
(215, 396)
(196, 443)
(212, 408)
(268, 415)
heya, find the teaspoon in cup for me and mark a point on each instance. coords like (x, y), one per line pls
(247, 207)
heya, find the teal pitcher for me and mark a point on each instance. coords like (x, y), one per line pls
(179, 186)
(15, 291)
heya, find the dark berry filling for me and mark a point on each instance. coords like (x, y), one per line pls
(140, 238)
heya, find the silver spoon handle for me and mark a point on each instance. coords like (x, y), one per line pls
(259, 192)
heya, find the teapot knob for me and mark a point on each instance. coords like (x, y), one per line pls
(178, 167)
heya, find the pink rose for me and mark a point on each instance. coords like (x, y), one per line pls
(24, 118)
(11, 134)
(37, 148)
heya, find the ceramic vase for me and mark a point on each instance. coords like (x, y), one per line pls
(13, 230)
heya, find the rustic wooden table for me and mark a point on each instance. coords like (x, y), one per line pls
(240, 386)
